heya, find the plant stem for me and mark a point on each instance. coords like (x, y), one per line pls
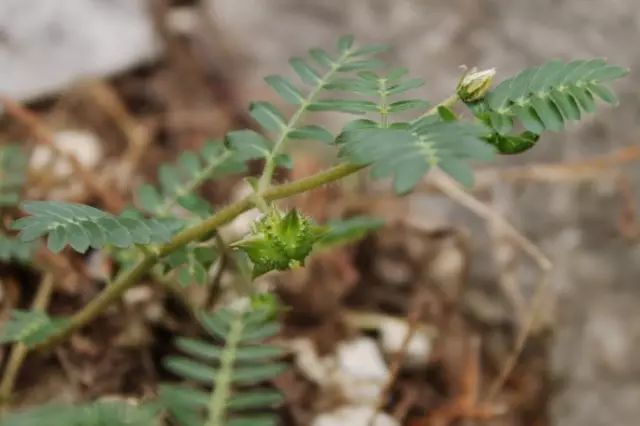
(448, 102)
(270, 164)
(222, 381)
(214, 286)
(384, 112)
(19, 349)
(129, 278)
(260, 203)
(245, 284)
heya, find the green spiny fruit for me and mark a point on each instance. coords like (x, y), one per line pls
(279, 242)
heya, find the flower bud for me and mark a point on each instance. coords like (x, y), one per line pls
(474, 84)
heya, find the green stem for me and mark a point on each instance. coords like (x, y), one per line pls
(222, 381)
(131, 277)
(19, 350)
(270, 164)
(384, 113)
(260, 203)
(448, 102)
(245, 284)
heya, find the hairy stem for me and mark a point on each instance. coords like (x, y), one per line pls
(19, 349)
(222, 381)
(384, 111)
(448, 102)
(269, 167)
(131, 277)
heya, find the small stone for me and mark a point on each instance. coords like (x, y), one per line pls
(137, 295)
(354, 415)
(47, 45)
(361, 371)
(393, 332)
(84, 146)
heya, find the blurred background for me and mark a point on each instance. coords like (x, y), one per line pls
(123, 85)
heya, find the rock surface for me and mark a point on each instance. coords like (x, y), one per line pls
(47, 44)
(354, 415)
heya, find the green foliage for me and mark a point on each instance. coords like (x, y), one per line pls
(13, 174)
(179, 186)
(322, 71)
(409, 150)
(513, 144)
(191, 263)
(227, 374)
(341, 232)
(179, 183)
(248, 144)
(543, 98)
(368, 83)
(279, 242)
(231, 369)
(14, 249)
(93, 414)
(83, 226)
(30, 327)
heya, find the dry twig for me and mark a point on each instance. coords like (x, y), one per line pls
(138, 135)
(466, 405)
(521, 339)
(573, 171)
(456, 193)
(451, 189)
(19, 350)
(413, 321)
